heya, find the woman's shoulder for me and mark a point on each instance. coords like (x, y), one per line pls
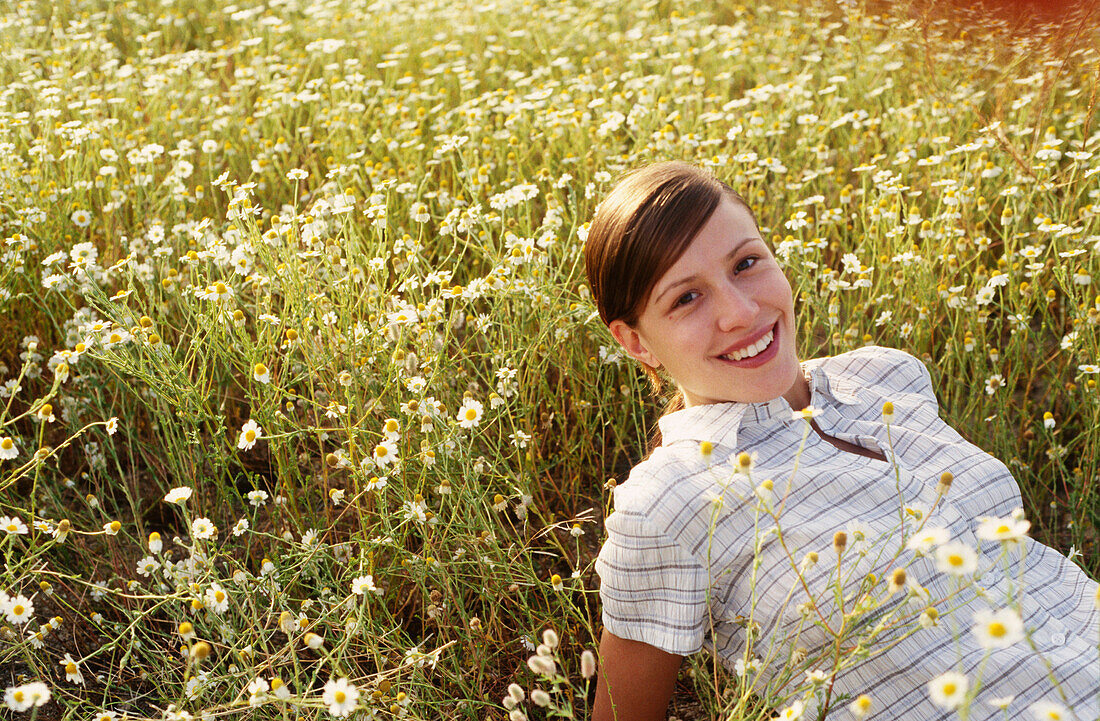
(888, 369)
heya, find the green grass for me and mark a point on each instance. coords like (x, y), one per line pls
(468, 145)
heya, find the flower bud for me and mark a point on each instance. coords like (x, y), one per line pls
(840, 541)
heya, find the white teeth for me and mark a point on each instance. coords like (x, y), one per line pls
(753, 349)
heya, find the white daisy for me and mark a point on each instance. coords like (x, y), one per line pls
(948, 690)
(340, 696)
(250, 433)
(998, 629)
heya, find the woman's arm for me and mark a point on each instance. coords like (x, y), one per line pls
(635, 680)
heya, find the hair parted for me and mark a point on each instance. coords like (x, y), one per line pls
(639, 231)
(642, 228)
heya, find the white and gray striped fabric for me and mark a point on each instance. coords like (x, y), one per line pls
(677, 568)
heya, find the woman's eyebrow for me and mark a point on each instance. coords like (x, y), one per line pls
(693, 277)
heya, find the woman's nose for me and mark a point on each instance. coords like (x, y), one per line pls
(735, 307)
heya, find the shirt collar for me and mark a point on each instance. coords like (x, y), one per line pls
(719, 422)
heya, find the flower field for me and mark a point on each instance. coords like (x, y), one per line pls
(305, 409)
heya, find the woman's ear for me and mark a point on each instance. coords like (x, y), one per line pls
(632, 343)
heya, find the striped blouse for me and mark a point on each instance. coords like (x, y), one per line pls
(677, 567)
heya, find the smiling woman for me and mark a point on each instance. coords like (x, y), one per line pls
(721, 319)
(687, 285)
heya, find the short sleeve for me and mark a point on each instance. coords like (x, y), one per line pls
(920, 380)
(652, 590)
(898, 371)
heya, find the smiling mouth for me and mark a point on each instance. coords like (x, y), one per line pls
(753, 350)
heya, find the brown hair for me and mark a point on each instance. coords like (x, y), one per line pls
(640, 230)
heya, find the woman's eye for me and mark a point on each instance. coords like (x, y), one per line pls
(686, 298)
(746, 263)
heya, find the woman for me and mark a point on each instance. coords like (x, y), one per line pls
(689, 288)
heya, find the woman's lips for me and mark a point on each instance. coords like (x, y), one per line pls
(760, 358)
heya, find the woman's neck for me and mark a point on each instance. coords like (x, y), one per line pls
(799, 394)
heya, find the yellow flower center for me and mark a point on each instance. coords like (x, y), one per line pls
(340, 697)
(220, 288)
(381, 451)
(948, 689)
(955, 560)
(219, 596)
(471, 414)
(19, 609)
(1003, 528)
(997, 629)
(250, 436)
(7, 444)
(70, 668)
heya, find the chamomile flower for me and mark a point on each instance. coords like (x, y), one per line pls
(1007, 530)
(203, 528)
(72, 670)
(18, 609)
(279, 689)
(178, 495)
(861, 706)
(257, 691)
(261, 373)
(469, 415)
(384, 453)
(340, 696)
(791, 713)
(250, 433)
(998, 629)
(927, 539)
(216, 599)
(13, 526)
(956, 559)
(147, 566)
(7, 448)
(21, 698)
(1049, 711)
(364, 584)
(948, 690)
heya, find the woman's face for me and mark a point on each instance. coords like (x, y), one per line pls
(721, 320)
